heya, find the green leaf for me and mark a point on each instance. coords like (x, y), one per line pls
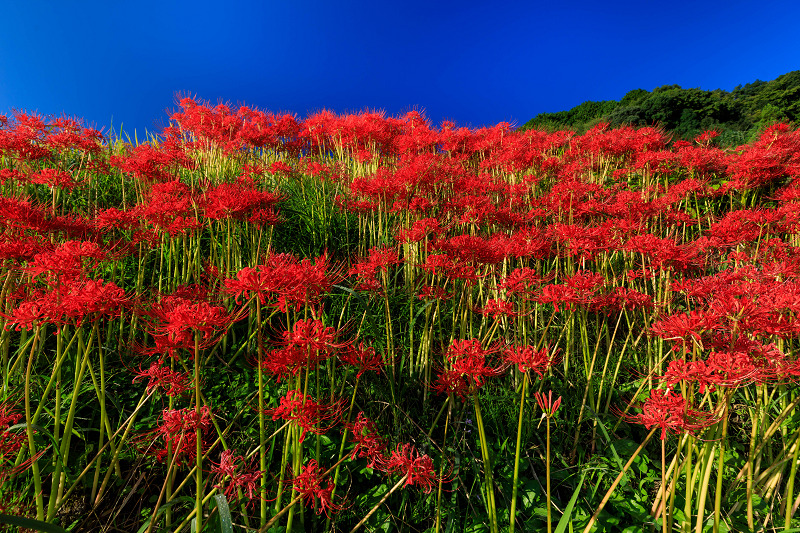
(565, 518)
(225, 520)
(30, 523)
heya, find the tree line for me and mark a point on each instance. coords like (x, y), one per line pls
(738, 115)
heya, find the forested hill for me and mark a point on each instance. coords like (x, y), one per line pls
(737, 115)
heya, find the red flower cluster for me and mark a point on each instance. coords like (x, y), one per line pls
(178, 428)
(309, 485)
(306, 413)
(292, 283)
(232, 474)
(669, 411)
(468, 368)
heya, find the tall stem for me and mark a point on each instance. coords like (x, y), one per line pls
(513, 513)
(198, 435)
(487, 466)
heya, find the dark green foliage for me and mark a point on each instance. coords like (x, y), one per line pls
(738, 115)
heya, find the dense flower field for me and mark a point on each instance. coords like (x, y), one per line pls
(257, 323)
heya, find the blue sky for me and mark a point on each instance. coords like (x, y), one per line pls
(473, 62)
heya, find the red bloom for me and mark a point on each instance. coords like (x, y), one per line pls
(53, 178)
(367, 270)
(308, 414)
(177, 318)
(309, 485)
(178, 428)
(497, 308)
(10, 444)
(529, 358)
(362, 357)
(233, 474)
(467, 368)
(368, 442)
(407, 461)
(546, 403)
(313, 338)
(172, 383)
(292, 283)
(669, 411)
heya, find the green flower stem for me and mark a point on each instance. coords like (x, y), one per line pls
(788, 498)
(58, 475)
(707, 463)
(37, 479)
(262, 428)
(721, 464)
(515, 482)
(441, 466)
(198, 435)
(547, 470)
(487, 466)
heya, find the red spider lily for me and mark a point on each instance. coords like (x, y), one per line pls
(362, 357)
(433, 292)
(21, 214)
(67, 261)
(162, 377)
(497, 308)
(233, 474)
(175, 319)
(194, 316)
(407, 461)
(467, 368)
(379, 260)
(169, 203)
(313, 338)
(308, 414)
(295, 283)
(368, 443)
(419, 230)
(684, 327)
(114, 218)
(178, 428)
(70, 134)
(151, 163)
(230, 200)
(7, 174)
(669, 411)
(474, 249)
(71, 300)
(622, 298)
(25, 139)
(450, 268)
(546, 403)
(309, 485)
(54, 178)
(523, 282)
(580, 289)
(529, 358)
(285, 362)
(280, 168)
(307, 343)
(20, 247)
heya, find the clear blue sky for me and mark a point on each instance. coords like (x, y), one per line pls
(473, 62)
